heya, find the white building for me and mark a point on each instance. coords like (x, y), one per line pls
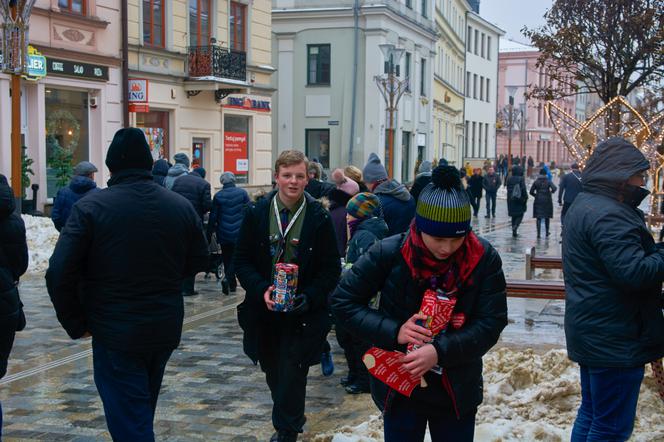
(329, 106)
(482, 41)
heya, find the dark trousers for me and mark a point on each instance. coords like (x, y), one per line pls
(227, 251)
(128, 384)
(188, 284)
(354, 349)
(516, 222)
(608, 404)
(563, 211)
(405, 425)
(490, 204)
(546, 222)
(475, 202)
(287, 381)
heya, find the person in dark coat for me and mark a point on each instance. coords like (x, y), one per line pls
(13, 264)
(197, 191)
(570, 187)
(366, 226)
(115, 277)
(286, 344)
(397, 203)
(613, 284)
(475, 190)
(200, 171)
(345, 190)
(542, 189)
(422, 179)
(226, 217)
(491, 183)
(160, 170)
(316, 187)
(80, 185)
(440, 253)
(516, 203)
(179, 169)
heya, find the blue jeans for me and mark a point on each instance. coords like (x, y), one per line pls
(405, 425)
(608, 404)
(128, 384)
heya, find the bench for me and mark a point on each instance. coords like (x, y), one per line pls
(531, 289)
(540, 262)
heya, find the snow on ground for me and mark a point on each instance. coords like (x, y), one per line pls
(42, 237)
(529, 396)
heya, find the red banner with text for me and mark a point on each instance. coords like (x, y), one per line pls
(236, 157)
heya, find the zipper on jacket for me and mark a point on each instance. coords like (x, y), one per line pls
(448, 387)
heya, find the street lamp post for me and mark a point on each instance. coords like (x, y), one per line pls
(510, 116)
(392, 89)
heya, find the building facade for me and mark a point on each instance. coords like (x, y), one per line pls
(76, 108)
(533, 134)
(327, 55)
(448, 106)
(199, 76)
(482, 41)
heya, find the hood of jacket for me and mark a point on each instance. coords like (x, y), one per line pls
(375, 225)
(81, 184)
(160, 167)
(517, 171)
(7, 202)
(177, 170)
(612, 163)
(393, 188)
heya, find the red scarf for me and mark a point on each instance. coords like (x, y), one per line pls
(449, 274)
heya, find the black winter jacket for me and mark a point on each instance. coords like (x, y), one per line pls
(227, 212)
(319, 269)
(419, 184)
(368, 232)
(397, 204)
(319, 189)
(475, 185)
(196, 190)
(159, 171)
(13, 264)
(516, 207)
(613, 269)
(460, 352)
(542, 189)
(78, 187)
(570, 187)
(118, 266)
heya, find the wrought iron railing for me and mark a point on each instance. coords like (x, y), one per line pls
(217, 61)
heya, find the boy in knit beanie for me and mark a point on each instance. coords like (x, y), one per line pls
(442, 258)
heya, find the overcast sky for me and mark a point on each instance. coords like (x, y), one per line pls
(512, 15)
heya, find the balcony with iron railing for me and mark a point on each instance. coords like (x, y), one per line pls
(215, 62)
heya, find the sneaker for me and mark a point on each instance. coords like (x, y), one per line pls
(326, 364)
(357, 389)
(346, 380)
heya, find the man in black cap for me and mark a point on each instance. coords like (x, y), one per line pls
(116, 275)
(82, 183)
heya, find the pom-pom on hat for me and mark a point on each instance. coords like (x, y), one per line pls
(443, 208)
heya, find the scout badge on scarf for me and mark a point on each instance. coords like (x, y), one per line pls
(387, 366)
(280, 239)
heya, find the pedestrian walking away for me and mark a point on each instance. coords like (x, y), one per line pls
(82, 183)
(228, 207)
(475, 190)
(422, 179)
(439, 254)
(613, 284)
(517, 198)
(287, 227)
(491, 183)
(13, 264)
(160, 171)
(114, 277)
(570, 187)
(541, 190)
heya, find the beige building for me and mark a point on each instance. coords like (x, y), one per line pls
(203, 69)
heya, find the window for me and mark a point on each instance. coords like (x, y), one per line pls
(155, 126)
(237, 147)
(199, 22)
(481, 88)
(424, 8)
(405, 156)
(488, 85)
(475, 86)
(238, 26)
(423, 91)
(467, 136)
(409, 4)
(483, 43)
(75, 6)
(318, 145)
(488, 47)
(467, 84)
(153, 23)
(407, 71)
(486, 139)
(318, 64)
(473, 137)
(476, 40)
(469, 39)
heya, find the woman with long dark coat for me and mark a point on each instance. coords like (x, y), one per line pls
(516, 201)
(542, 189)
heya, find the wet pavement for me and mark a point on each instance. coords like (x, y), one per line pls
(211, 391)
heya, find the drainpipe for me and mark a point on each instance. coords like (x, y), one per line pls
(125, 64)
(356, 17)
(464, 137)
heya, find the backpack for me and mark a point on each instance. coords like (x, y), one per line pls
(516, 191)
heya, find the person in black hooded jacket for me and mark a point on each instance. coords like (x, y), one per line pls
(516, 205)
(80, 185)
(114, 277)
(613, 282)
(13, 264)
(160, 170)
(440, 253)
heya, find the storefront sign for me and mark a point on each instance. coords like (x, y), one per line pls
(235, 153)
(36, 67)
(138, 95)
(77, 69)
(248, 104)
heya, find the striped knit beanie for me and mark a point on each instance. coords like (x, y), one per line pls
(443, 208)
(363, 205)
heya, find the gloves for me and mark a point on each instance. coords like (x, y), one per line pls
(300, 305)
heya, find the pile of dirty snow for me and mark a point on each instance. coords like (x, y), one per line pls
(529, 396)
(42, 237)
